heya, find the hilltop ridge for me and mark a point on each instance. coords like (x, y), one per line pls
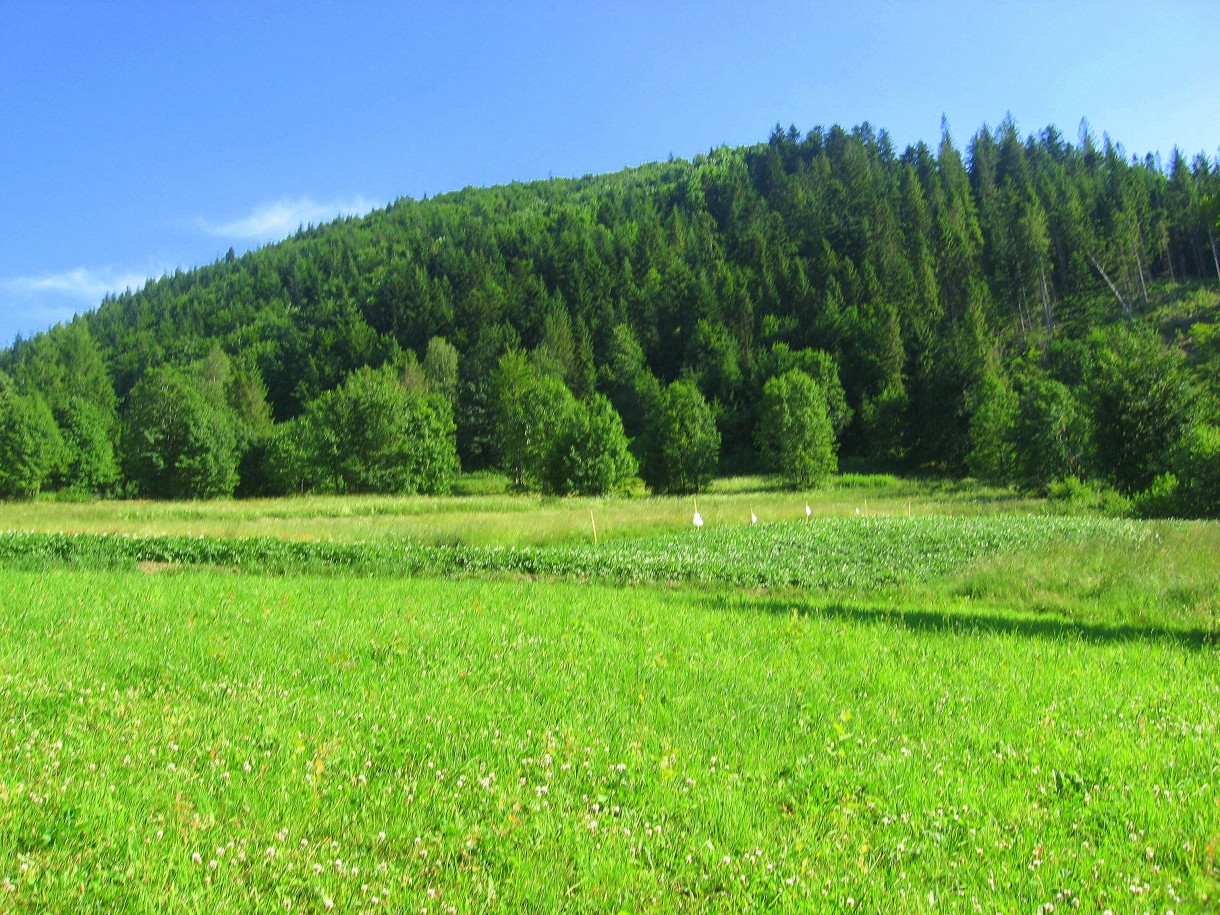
(940, 284)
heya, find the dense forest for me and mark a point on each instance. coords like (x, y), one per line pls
(1030, 311)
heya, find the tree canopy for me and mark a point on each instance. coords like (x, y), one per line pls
(372, 434)
(683, 443)
(795, 434)
(924, 290)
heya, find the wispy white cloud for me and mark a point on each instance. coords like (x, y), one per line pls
(29, 321)
(29, 304)
(282, 218)
(84, 284)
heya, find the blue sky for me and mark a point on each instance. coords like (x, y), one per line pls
(139, 137)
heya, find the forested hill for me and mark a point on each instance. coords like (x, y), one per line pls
(956, 293)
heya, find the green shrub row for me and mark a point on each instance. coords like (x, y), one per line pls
(824, 554)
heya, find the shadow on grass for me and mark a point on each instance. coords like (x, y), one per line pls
(966, 622)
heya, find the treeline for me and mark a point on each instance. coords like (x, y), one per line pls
(1030, 312)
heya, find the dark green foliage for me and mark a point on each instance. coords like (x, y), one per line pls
(178, 443)
(819, 366)
(795, 434)
(1140, 400)
(883, 421)
(531, 409)
(65, 368)
(476, 415)
(629, 383)
(237, 385)
(283, 460)
(938, 424)
(898, 278)
(441, 370)
(66, 363)
(993, 417)
(556, 352)
(372, 434)
(30, 445)
(683, 443)
(1051, 434)
(590, 454)
(1192, 488)
(89, 464)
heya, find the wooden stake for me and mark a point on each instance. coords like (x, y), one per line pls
(594, 523)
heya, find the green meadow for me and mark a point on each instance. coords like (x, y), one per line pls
(481, 512)
(953, 701)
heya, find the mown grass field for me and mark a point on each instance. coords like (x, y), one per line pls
(991, 712)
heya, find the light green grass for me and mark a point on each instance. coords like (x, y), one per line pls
(488, 517)
(977, 708)
(201, 742)
(1095, 571)
(1142, 574)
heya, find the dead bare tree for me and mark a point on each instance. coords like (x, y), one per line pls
(1114, 289)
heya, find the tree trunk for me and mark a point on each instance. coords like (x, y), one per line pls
(1048, 312)
(1114, 289)
(1211, 236)
(1139, 268)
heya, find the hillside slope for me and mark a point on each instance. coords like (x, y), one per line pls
(941, 285)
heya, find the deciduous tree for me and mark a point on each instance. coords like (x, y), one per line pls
(372, 434)
(683, 444)
(30, 445)
(177, 442)
(590, 454)
(795, 435)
